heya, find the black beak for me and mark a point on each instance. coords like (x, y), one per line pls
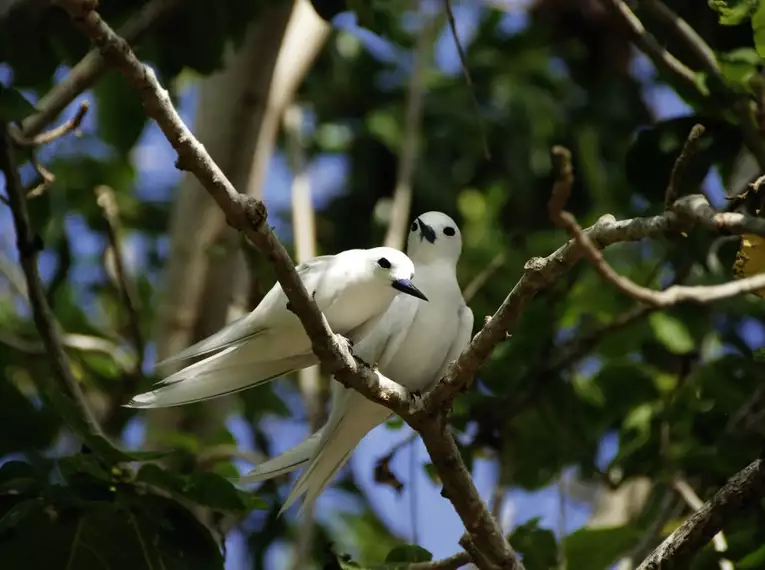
(406, 286)
(426, 232)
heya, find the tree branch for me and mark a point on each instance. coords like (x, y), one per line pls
(483, 531)
(672, 295)
(28, 244)
(55, 133)
(693, 500)
(452, 563)
(689, 149)
(743, 490)
(83, 75)
(304, 237)
(108, 204)
(648, 44)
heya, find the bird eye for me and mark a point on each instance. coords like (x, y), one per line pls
(384, 263)
(449, 231)
(414, 226)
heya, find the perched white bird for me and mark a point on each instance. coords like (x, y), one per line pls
(353, 289)
(412, 344)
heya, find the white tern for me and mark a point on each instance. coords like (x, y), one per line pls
(412, 344)
(353, 289)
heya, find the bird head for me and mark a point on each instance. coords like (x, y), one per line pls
(394, 268)
(433, 236)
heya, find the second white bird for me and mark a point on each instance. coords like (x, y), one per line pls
(412, 344)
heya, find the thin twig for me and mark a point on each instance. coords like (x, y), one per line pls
(73, 341)
(684, 75)
(695, 502)
(700, 49)
(55, 133)
(649, 45)
(706, 57)
(402, 195)
(742, 491)
(46, 176)
(666, 298)
(107, 202)
(28, 245)
(468, 78)
(452, 563)
(110, 210)
(208, 458)
(678, 169)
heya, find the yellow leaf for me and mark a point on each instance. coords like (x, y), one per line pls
(750, 258)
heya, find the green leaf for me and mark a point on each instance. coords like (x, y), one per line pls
(733, 12)
(597, 549)
(137, 532)
(394, 423)
(671, 332)
(18, 512)
(205, 488)
(752, 561)
(409, 553)
(153, 474)
(758, 27)
(537, 545)
(13, 105)
(215, 492)
(23, 426)
(739, 66)
(121, 117)
(74, 465)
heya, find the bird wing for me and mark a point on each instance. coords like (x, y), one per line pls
(299, 455)
(352, 417)
(211, 380)
(260, 320)
(382, 342)
(461, 339)
(288, 461)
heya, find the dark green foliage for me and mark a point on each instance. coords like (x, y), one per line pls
(537, 546)
(99, 518)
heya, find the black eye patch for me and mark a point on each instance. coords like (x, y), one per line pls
(449, 231)
(414, 226)
(384, 263)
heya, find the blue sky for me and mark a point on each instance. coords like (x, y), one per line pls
(437, 527)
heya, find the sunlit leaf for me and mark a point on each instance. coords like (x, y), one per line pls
(671, 332)
(733, 12)
(537, 545)
(598, 549)
(750, 259)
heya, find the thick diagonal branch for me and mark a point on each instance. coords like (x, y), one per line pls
(742, 491)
